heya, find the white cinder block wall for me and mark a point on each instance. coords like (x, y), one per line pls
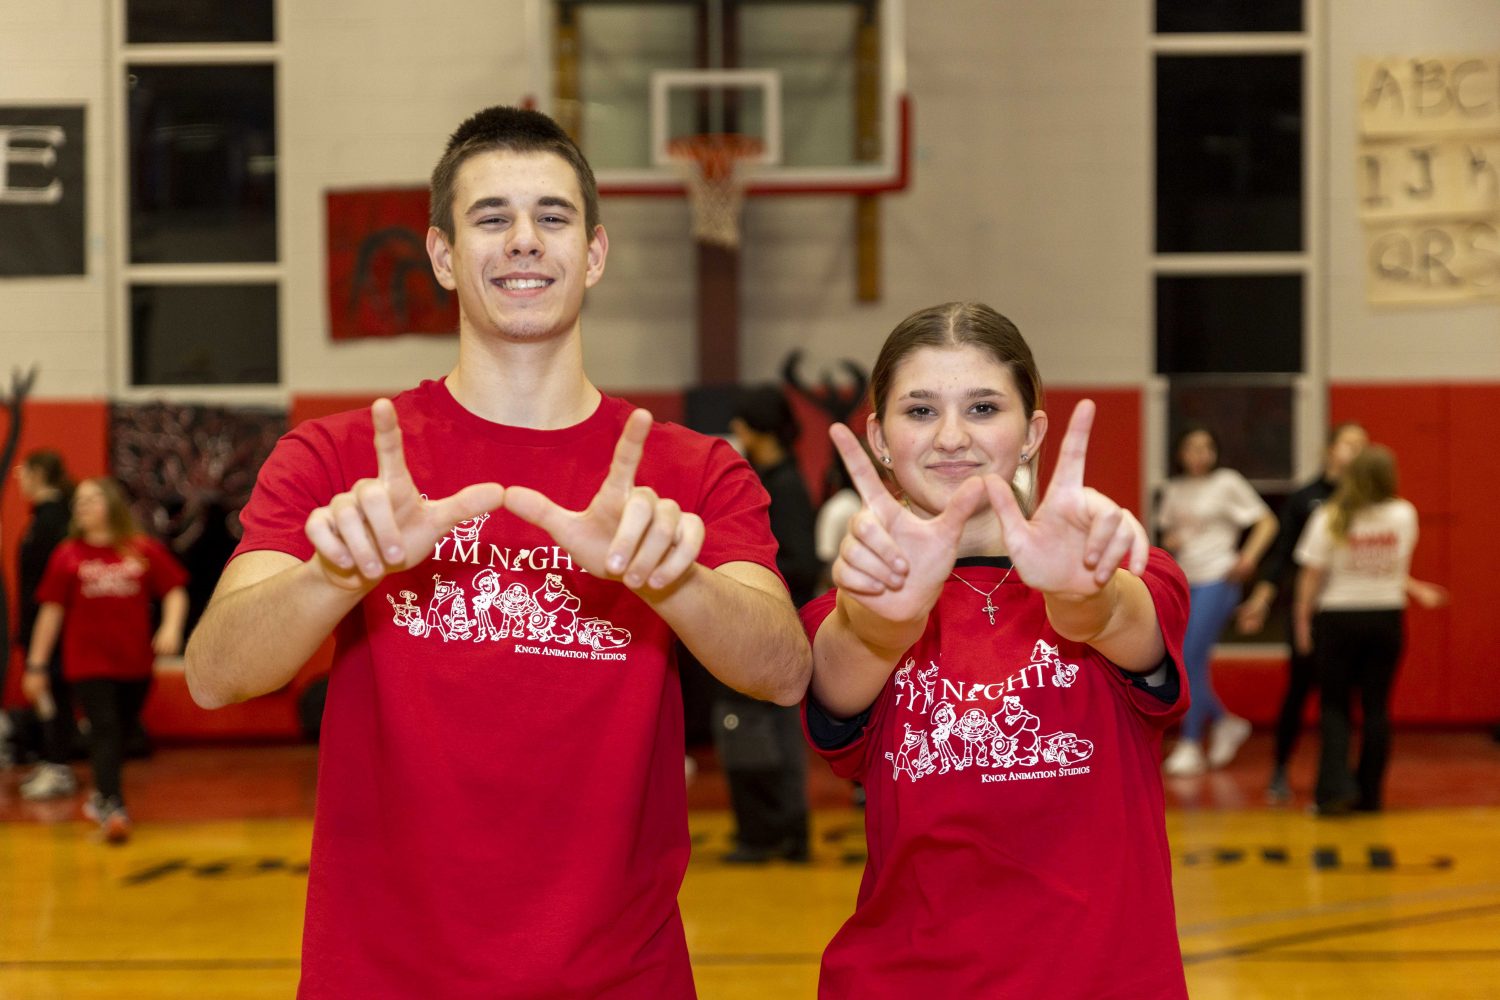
(1032, 188)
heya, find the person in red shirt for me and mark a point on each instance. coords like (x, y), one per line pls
(998, 678)
(97, 593)
(501, 810)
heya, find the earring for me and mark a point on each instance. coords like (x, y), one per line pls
(1025, 458)
(886, 459)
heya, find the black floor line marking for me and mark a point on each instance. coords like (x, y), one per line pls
(1255, 948)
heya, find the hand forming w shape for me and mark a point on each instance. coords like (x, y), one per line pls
(627, 532)
(382, 525)
(1076, 539)
(894, 562)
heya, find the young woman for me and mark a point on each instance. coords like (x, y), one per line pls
(1345, 441)
(1355, 556)
(999, 682)
(1203, 513)
(97, 595)
(44, 483)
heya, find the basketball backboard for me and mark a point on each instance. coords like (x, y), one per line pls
(821, 84)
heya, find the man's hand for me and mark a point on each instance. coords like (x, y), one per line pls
(627, 532)
(382, 525)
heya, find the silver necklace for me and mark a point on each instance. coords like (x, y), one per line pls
(989, 605)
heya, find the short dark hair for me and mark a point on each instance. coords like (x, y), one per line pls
(516, 130)
(49, 465)
(764, 408)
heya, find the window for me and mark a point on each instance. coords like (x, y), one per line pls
(1228, 323)
(200, 283)
(155, 22)
(202, 164)
(1228, 153)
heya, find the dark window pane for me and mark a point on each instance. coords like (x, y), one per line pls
(203, 334)
(1228, 15)
(149, 22)
(1252, 421)
(202, 163)
(1228, 153)
(1229, 323)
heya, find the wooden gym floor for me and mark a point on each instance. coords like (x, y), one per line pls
(206, 899)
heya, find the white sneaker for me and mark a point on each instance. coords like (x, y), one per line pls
(1226, 738)
(49, 781)
(1185, 760)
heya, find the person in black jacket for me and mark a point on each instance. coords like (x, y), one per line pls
(760, 744)
(1277, 571)
(44, 482)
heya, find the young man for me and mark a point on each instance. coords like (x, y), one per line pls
(501, 809)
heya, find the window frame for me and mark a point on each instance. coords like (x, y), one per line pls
(122, 273)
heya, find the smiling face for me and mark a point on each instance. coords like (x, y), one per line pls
(521, 255)
(952, 413)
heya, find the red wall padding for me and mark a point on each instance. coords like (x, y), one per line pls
(1450, 469)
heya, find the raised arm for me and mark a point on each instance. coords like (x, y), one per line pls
(889, 572)
(1084, 552)
(271, 610)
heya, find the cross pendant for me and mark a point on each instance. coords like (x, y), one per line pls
(989, 609)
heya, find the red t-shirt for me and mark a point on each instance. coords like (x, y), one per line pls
(501, 810)
(1014, 813)
(106, 597)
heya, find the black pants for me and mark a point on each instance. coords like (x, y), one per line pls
(59, 733)
(112, 708)
(764, 756)
(1302, 678)
(1356, 651)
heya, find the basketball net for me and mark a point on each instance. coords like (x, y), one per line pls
(711, 164)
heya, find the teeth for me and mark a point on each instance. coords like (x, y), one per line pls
(520, 284)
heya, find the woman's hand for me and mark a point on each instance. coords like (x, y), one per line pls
(1078, 537)
(892, 561)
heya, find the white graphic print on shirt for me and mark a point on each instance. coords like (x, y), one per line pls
(548, 614)
(1006, 744)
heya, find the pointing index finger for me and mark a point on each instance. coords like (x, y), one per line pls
(628, 450)
(390, 458)
(861, 470)
(1075, 446)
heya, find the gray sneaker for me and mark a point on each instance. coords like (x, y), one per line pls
(49, 781)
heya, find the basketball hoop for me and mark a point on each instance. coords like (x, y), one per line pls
(711, 164)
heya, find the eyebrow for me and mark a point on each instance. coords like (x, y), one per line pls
(546, 201)
(979, 393)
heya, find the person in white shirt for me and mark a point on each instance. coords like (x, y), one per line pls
(1355, 555)
(1202, 515)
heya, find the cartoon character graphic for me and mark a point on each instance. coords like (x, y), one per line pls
(447, 612)
(903, 680)
(914, 757)
(600, 635)
(928, 680)
(1063, 674)
(1066, 749)
(516, 606)
(406, 614)
(1015, 740)
(488, 583)
(555, 615)
(943, 720)
(976, 730)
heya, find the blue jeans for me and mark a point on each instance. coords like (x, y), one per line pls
(1210, 608)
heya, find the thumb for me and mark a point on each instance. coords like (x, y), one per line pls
(1013, 522)
(471, 501)
(964, 504)
(534, 508)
